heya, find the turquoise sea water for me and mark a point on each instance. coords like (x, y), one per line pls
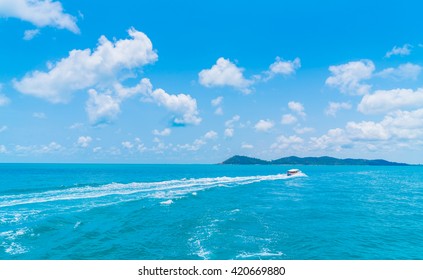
(70, 211)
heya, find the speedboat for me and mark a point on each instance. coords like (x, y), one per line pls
(291, 172)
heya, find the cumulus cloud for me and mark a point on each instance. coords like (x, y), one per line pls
(31, 34)
(402, 128)
(225, 73)
(264, 125)
(164, 132)
(210, 135)
(334, 107)
(101, 72)
(335, 139)
(282, 67)
(303, 130)
(39, 149)
(349, 77)
(182, 105)
(282, 142)
(144, 87)
(288, 119)
(402, 72)
(84, 69)
(102, 107)
(402, 51)
(247, 146)
(39, 115)
(217, 102)
(232, 121)
(41, 13)
(229, 132)
(297, 108)
(84, 141)
(367, 130)
(194, 146)
(386, 100)
(127, 145)
(4, 100)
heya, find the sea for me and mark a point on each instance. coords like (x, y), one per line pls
(215, 212)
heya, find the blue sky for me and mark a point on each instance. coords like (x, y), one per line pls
(199, 81)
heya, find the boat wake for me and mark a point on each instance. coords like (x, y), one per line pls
(81, 198)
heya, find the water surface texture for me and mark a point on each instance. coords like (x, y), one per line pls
(71, 211)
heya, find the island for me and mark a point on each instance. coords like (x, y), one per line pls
(324, 160)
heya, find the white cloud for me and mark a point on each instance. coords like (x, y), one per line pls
(127, 145)
(3, 128)
(229, 132)
(102, 108)
(41, 13)
(217, 101)
(31, 34)
(403, 72)
(335, 139)
(210, 135)
(399, 128)
(247, 146)
(297, 108)
(3, 149)
(367, 130)
(348, 77)
(140, 146)
(225, 73)
(195, 146)
(43, 149)
(76, 125)
(144, 87)
(404, 124)
(303, 130)
(84, 69)
(84, 141)
(292, 142)
(164, 132)
(230, 123)
(264, 125)
(402, 51)
(284, 68)
(182, 105)
(386, 100)
(39, 115)
(334, 107)
(218, 111)
(52, 147)
(4, 100)
(288, 119)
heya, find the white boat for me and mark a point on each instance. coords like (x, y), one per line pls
(291, 172)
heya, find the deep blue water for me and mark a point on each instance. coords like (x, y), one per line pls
(70, 211)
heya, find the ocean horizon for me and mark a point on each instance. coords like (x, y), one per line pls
(209, 211)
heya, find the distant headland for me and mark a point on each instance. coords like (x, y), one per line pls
(324, 160)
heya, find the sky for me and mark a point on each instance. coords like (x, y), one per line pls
(200, 81)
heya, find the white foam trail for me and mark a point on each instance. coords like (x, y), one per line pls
(167, 202)
(263, 253)
(164, 189)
